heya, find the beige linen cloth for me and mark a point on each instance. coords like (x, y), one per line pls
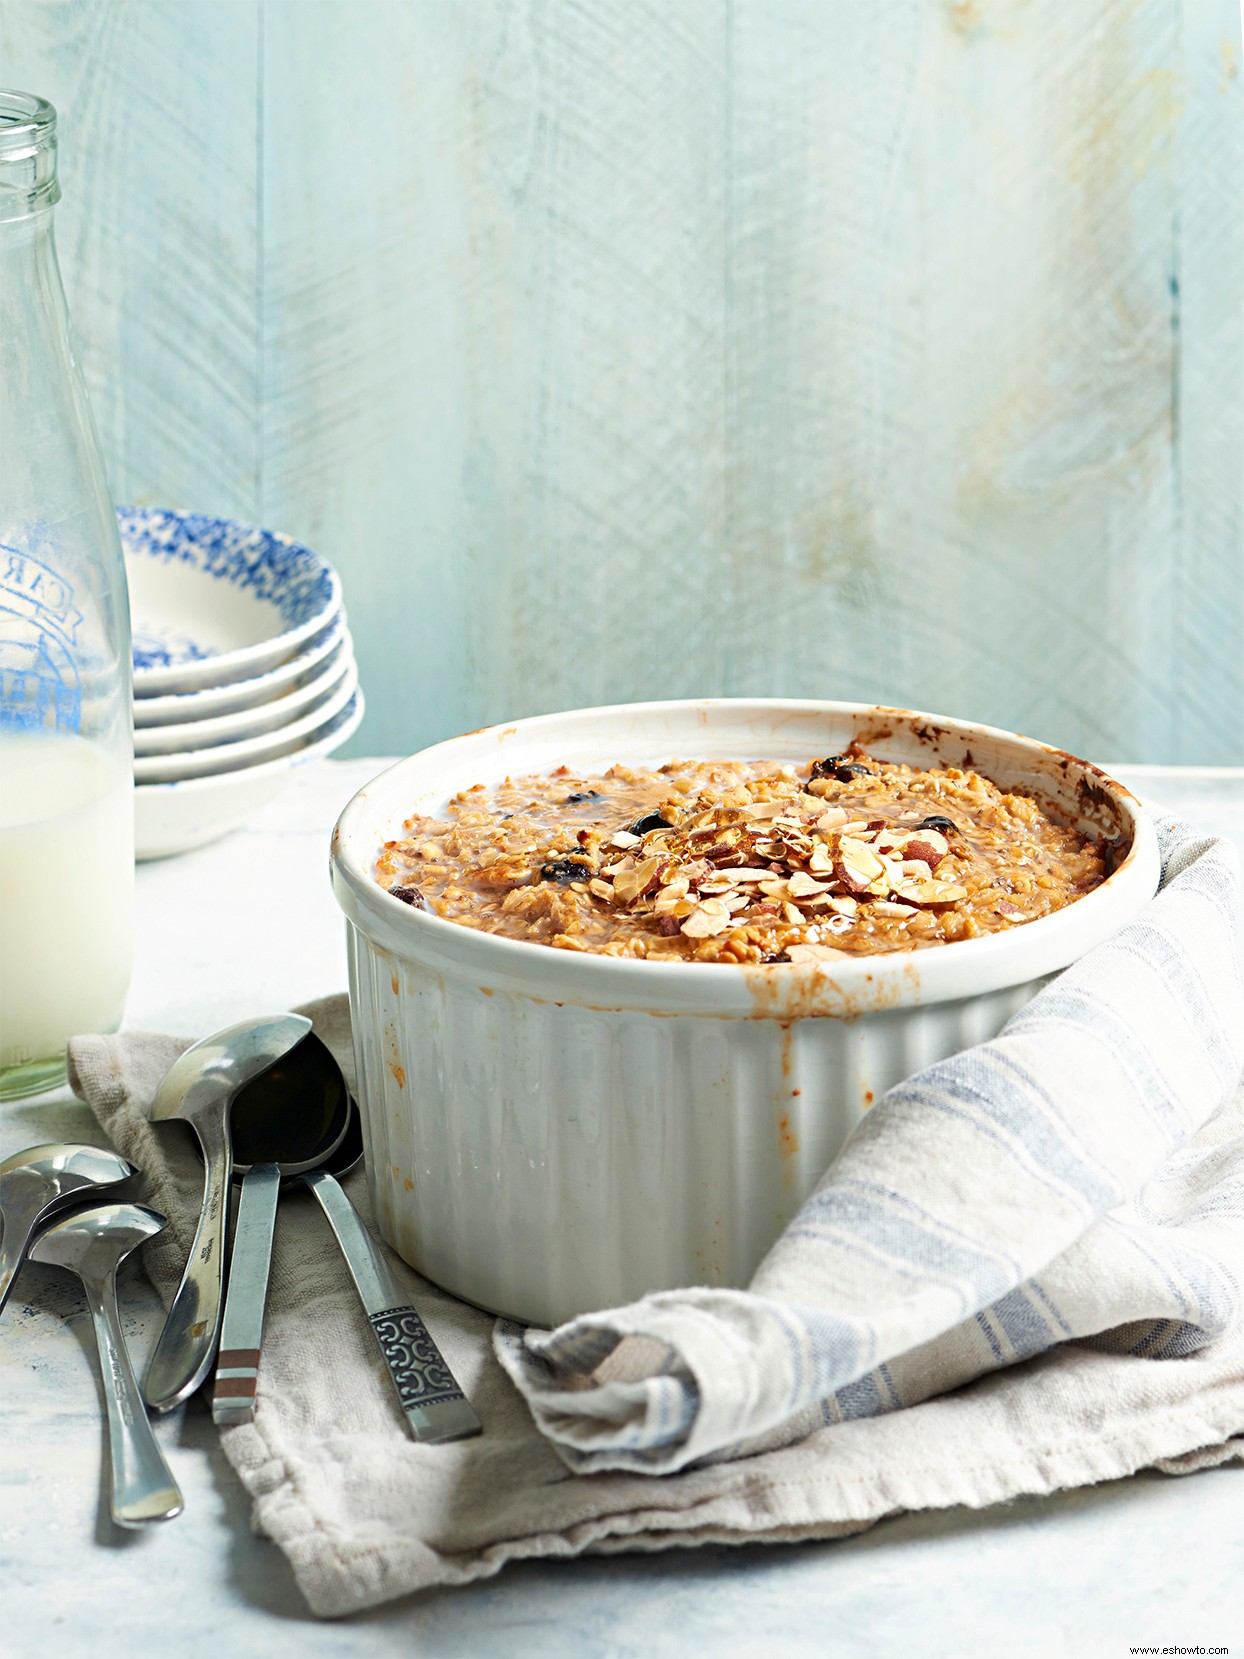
(364, 1514)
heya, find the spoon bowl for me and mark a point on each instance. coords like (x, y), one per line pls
(38, 1184)
(93, 1243)
(349, 1149)
(288, 1119)
(199, 1088)
(291, 1114)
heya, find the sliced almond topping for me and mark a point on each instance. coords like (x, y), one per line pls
(821, 861)
(930, 892)
(924, 851)
(631, 884)
(624, 838)
(670, 895)
(884, 907)
(793, 913)
(844, 906)
(857, 865)
(804, 887)
(814, 953)
(747, 873)
(706, 920)
(833, 817)
(602, 889)
(934, 839)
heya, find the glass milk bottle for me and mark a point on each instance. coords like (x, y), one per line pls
(66, 741)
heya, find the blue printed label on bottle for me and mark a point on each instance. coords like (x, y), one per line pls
(39, 686)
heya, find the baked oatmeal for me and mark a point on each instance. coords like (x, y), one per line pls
(744, 861)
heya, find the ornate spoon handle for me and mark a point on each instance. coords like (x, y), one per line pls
(434, 1406)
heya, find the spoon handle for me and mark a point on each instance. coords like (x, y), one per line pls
(241, 1330)
(143, 1488)
(187, 1345)
(434, 1406)
(16, 1237)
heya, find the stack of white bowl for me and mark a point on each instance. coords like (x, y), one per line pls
(243, 669)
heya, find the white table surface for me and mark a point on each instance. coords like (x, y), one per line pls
(249, 925)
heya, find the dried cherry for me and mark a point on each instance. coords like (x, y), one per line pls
(566, 869)
(839, 767)
(649, 821)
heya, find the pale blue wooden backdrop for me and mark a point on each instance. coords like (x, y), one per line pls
(880, 350)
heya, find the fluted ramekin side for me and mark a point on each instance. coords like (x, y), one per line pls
(549, 1132)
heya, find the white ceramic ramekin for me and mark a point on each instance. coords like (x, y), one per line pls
(550, 1132)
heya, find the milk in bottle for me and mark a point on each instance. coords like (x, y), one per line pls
(66, 893)
(66, 745)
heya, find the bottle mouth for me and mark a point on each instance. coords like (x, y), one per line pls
(27, 125)
(27, 154)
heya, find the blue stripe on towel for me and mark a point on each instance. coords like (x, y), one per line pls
(981, 1087)
(930, 1223)
(861, 1398)
(1085, 1015)
(841, 1349)
(1027, 1330)
(934, 1252)
(995, 1347)
(1039, 1292)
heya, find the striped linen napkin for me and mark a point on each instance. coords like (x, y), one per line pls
(1080, 1179)
(1073, 1179)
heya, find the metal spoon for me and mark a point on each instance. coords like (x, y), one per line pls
(288, 1119)
(93, 1243)
(199, 1088)
(434, 1406)
(36, 1185)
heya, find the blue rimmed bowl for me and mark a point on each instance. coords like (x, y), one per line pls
(179, 816)
(213, 602)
